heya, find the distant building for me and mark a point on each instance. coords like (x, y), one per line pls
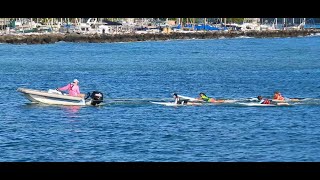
(110, 27)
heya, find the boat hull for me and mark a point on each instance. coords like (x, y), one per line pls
(53, 101)
(44, 97)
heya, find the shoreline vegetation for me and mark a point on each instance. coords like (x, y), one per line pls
(104, 38)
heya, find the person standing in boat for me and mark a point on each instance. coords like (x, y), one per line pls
(73, 89)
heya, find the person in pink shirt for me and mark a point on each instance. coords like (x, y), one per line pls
(73, 89)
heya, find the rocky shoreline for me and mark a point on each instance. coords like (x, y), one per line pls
(104, 38)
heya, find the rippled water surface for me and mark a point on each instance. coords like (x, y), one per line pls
(138, 130)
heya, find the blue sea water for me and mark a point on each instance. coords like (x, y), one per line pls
(137, 130)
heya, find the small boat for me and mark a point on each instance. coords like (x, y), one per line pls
(54, 97)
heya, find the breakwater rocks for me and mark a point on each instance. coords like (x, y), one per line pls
(104, 38)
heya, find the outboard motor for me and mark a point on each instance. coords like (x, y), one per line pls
(96, 97)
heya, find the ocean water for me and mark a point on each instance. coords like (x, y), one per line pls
(135, 130)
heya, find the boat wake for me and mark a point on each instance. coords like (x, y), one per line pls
(95, 98)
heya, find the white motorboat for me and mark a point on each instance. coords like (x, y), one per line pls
(54, 97)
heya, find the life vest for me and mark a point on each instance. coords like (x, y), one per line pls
(205, 98)
(278, 97)
(266, 101)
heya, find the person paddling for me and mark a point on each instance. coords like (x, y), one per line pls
(177, 99)
(277, 96)
(204, 97)
(263, 100)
